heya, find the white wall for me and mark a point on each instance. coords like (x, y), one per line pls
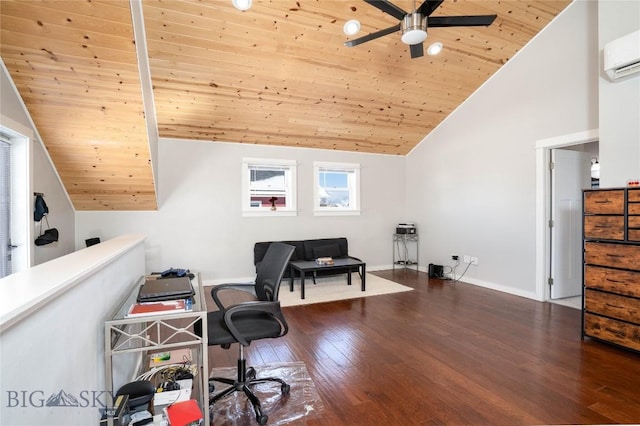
(44, 178)
(52, 333)
(619, 102)
(471, 182)
(199, 225)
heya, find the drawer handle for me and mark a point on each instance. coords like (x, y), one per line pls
(616, 332)
(613, 281)
(603, 201)
(614, 255)
(614, 306)
(601, 226)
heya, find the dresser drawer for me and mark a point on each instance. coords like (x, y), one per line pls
(618, 332)
(612, 305)
(633, 208)
(613, 280)
(633, 234)
(604, 227)
(633, 195)
(604, 202)
(613, 255)
(633, 225)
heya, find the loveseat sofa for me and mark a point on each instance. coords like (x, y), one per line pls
(310, 250)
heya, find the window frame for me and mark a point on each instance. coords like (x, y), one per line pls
(290, 169)
(353, 186)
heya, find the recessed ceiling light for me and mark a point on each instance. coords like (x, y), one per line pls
(434, 49)
(241, 4)
(351, 27)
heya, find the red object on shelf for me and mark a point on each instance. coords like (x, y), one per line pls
(157, 308)
(185, 413)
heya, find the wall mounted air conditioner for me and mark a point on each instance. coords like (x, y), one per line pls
(622, 56)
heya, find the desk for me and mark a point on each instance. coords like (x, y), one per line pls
(161, 332)
(304, 266)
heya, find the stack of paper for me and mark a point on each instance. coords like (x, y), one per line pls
(157, 308)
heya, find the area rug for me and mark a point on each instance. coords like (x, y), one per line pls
(301, 404)
(328, 289)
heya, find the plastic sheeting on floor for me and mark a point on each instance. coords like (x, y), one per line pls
(302, 401)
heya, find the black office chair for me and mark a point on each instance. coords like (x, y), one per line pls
(244, 322)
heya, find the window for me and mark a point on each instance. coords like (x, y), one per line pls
(268, 187)
(336, 188)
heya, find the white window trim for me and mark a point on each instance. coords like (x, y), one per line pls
(354, 208)
(290, 210)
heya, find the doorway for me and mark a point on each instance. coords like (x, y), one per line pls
(586, 142)
(570, 173)
(17, 235)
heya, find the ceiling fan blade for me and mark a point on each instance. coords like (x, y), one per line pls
(372, 36)
(388, 7)
(416, 50)
(427, 8)
(461, 21)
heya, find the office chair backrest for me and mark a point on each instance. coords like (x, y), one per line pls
(272, 268)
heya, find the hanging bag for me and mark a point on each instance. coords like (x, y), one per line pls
(40, 211)
(48, 236)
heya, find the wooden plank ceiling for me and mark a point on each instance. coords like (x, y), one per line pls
(276, 74)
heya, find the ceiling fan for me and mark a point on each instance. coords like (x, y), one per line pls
(413, 26)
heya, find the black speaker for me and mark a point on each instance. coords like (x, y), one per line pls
(435, 271)
(92, 241)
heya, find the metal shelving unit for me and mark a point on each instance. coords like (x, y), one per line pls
(404, 246)
(161, 332)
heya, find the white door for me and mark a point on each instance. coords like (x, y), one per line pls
(571, 173)
(5, 208)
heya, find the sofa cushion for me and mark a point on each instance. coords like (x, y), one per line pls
(260, 248)
(311, 245)
(328, 250)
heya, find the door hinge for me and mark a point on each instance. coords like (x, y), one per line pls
(552, 165)
(550, 281)
(551, 223)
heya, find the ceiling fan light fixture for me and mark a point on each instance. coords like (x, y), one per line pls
(351, 27)
(242, 4)
(434, 49)
(414, 28)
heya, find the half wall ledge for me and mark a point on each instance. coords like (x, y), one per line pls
(27, 291)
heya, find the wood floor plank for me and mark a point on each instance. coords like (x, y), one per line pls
(450, 354)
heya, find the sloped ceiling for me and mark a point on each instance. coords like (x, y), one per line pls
(276, 74)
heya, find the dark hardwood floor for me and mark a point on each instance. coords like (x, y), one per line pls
(453, 354)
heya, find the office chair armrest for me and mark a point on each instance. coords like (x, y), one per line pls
(272, 308)
(245, 287)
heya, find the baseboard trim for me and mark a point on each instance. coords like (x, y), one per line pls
(504, 289)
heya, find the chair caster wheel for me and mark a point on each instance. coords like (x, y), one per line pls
(262, 419)
(251, 373)
(285, 389)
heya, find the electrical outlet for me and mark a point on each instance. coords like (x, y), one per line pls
(475, 261)
(467, 259)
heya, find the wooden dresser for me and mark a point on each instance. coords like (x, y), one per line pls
(611, 291)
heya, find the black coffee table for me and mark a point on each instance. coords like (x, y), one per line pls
(305, 266)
